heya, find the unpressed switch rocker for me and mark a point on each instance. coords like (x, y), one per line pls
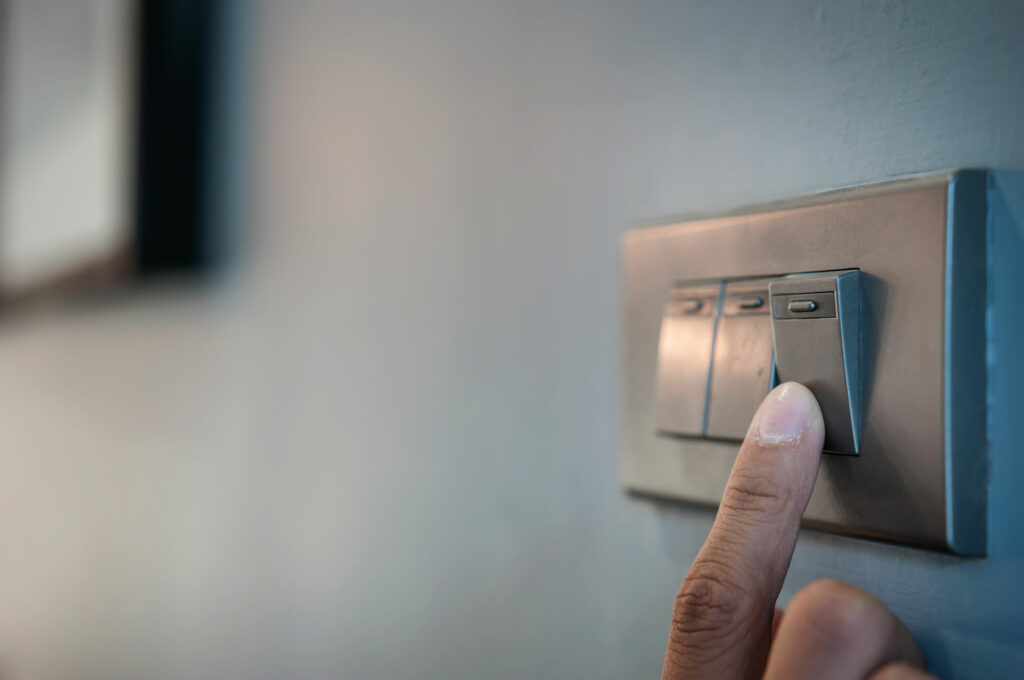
(741, 372)
(684, 358)
(816, 332)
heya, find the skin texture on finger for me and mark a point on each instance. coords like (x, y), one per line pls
(722, 616)
(777, 620)
(834, 630)
(900, 671)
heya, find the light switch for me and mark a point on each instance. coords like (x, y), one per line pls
(684, 358)
(817, 335)
(895, 354)
(741, 374)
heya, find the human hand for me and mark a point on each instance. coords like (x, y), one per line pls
(724, 621)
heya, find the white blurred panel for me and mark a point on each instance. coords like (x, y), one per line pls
(66, 137)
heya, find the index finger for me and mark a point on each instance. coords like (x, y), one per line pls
(721, 621)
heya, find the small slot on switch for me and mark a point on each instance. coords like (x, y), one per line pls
(691, 306)
(804, 305)
(801, 306)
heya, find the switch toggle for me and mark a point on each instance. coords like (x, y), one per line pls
(689, 306)
(802, 306)
(816, 331)
(684, 358)
(741, 374)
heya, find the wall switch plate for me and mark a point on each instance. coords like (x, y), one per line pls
(907, 371)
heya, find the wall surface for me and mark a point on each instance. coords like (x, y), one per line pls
(387, 444)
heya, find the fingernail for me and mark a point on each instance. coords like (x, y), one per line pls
(785, 414)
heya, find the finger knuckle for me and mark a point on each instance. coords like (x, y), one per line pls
(708, 605)
(838, 612)
(754, 494)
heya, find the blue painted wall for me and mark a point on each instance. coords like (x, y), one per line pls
(478, 161)
(387, 445)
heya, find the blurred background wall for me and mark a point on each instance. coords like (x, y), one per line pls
(385, 442)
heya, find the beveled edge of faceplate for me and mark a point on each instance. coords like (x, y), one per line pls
(651, 227)
(965, 455)
(966, 374)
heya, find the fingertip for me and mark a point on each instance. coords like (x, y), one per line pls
(794, 388)
(786, 414)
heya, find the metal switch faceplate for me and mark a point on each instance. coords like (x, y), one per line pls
(905, 390)
(817, 339)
